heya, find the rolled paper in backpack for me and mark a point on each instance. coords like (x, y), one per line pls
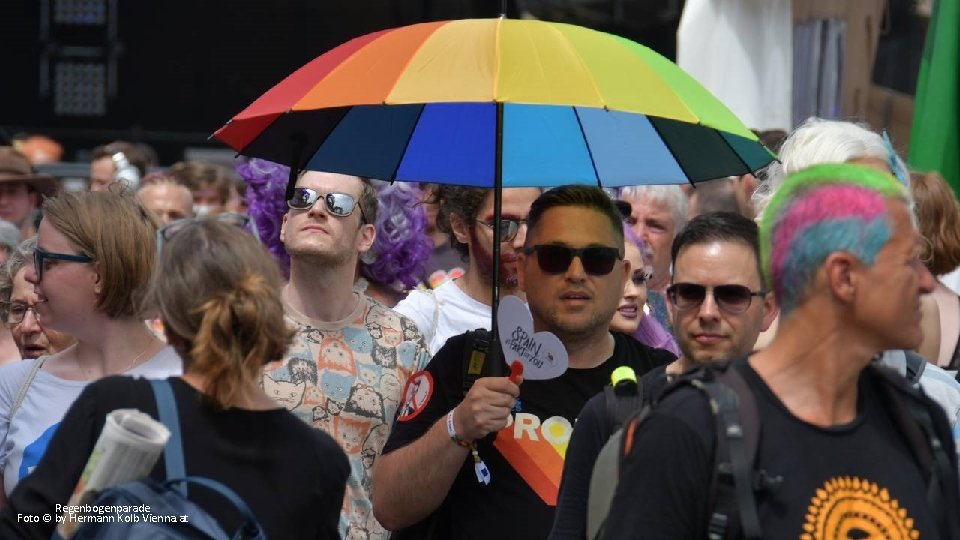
(127, 449)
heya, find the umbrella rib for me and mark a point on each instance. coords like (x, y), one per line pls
(406, 145)
(586, 143)
(734, 150)
(312, 151)
(672, 153)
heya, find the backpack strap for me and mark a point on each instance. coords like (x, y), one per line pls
(914, 422)
(735, 509)
(167, 411)
(22, 393)
(25, 385)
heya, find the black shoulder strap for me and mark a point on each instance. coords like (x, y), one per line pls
(914, 422)
(738, 426)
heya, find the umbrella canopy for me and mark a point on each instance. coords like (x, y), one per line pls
(497, 102)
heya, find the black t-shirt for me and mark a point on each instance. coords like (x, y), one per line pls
(591, 432)
(858, 480)
(525, 458)
(291, 476)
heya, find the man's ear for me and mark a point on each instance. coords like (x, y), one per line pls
(461, 228)
(841, 270)
(771, 310)
(368, 233)
(283, 228)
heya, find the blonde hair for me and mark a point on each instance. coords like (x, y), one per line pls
(115, 230)
(939, 217)
(218, 289)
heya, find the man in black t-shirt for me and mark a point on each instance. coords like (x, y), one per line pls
(840, 249)
(718, 306)
(573, 273)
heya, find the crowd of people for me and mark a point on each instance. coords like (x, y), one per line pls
(322, 343)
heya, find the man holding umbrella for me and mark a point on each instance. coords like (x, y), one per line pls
(573, 277)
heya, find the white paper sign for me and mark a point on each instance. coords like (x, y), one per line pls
(542, 354)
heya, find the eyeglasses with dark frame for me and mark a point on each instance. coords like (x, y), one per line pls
(241, 221)
(557, 258)
(39, 256)
(733, 299)
(338, 204)
(508, 227)
(17, 311)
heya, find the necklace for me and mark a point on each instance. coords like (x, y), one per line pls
(140, 356)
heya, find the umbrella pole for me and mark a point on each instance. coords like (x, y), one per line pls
(494, 351)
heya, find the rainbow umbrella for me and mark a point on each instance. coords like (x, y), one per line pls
(497, 102)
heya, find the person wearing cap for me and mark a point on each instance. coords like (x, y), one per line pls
(718, 306)
(21, 190)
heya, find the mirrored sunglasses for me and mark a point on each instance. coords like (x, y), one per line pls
(730, 298)
(338, 204)
(556, 259)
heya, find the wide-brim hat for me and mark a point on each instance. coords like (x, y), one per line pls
(15, 167)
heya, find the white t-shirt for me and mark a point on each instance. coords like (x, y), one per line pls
(43, 407)
(442, 313)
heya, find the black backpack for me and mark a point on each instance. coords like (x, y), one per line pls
(171, 515)
(736, 482)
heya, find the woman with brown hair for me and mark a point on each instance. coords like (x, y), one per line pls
(218, 293)
(91, 267)
(939, 217)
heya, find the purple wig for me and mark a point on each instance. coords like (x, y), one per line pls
(402, 247)
(266, 187)
(649, 332)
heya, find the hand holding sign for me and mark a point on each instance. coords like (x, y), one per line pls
(541, 354)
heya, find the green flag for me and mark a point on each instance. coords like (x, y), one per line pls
(935, 136)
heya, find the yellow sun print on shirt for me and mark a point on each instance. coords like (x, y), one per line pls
(855, 509)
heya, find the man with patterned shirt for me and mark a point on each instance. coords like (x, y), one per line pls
(351, 356)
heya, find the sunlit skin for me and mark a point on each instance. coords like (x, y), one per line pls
(68, 290)
(630, 311)
(888, 307)
(574, 305)
(708, 333)
(169, 202)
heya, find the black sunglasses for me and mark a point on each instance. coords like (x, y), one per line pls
(556, 259)
(39, 256)
(730, 298)
(508, 228)
(338, 204)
